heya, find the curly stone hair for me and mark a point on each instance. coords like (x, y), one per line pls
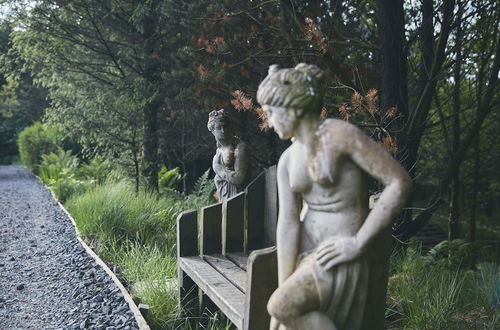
(217, 116)
(299, 87)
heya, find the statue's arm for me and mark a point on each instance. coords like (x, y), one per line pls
(288, 228)
(240, 164)
(238, 175)
(377, 162)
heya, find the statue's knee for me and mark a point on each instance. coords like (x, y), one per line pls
(278, 308)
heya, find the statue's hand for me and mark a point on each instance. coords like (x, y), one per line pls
(218, 166)
(274, 324)
(337, 250)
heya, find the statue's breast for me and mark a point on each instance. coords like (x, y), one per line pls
(299, 178)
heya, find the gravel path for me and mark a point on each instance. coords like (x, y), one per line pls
(47, 281)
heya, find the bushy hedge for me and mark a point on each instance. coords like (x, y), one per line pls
(35, 141)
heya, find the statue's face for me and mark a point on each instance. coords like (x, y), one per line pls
(220, 133)
(282, 120)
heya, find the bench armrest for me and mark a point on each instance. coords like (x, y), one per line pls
(262, 280)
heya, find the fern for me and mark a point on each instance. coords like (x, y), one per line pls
(202, 194)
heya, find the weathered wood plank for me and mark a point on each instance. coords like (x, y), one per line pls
(239, 258)
(233, 223)
(228, 298)
(270, 208)
(211, 227)
(187, 234)
(188, 295)
(254, 207)
(262, 280)
(229, 270)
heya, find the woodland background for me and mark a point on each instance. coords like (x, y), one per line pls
(133, 81)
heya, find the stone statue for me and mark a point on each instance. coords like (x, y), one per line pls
(333, 254)
(230, 160)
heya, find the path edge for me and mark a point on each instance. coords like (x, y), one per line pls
(141, 322)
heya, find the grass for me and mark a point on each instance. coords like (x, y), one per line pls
(116, 212)
(424, 293)
(153, 272)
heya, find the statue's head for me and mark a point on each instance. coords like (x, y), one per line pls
(299, 88)
(288, 94)
(218, 125)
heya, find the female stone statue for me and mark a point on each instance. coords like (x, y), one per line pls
(230, 160)
(325, 257)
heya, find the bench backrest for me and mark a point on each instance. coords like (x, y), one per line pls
(245, 222)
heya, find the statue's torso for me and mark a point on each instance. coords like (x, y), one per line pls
(337, 201)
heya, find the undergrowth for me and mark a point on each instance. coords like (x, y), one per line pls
(427, 292)
(136, 231)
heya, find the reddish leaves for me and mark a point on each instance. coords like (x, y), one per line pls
(388, 144)
(241, 101)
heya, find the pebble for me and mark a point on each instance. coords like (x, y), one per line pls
(67, 289)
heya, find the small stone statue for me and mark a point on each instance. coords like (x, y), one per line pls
(333, 254)
(230, 160)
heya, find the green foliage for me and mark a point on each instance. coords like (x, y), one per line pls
(58, 171)
(431, 292)
(168, 180)
(21, 103)
(98, 170)
(423, 299)
(454, 255)
(202, 194)
(488, 285)
(57, 165)
(137, 232)
(116, 212)
(153, 271)
(35, 141)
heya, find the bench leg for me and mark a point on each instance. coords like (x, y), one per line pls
(188, 295)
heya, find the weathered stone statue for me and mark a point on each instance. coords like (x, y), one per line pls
(332, 260)
(230, 160)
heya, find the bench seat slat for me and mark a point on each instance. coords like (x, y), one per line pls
(239, 258)
(229, 270)
(226, 295)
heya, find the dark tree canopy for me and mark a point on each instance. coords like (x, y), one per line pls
(135, 81)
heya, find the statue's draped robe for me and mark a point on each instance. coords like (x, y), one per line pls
(342, 290)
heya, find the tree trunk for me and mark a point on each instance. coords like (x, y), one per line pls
(152, 106)
(453, 220)
(475, 189)
(393, 64)
(393, 74)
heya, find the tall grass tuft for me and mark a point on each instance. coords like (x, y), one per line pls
(153, 272)
(423, 296)
(116, 212)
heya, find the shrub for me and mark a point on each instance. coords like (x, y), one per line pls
(169, 179)
(58, 172)
(97, 170)
(202, 194)
(36, 140)
(453, 255)
(57, 165)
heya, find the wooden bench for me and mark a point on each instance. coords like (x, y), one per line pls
(231, 264)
